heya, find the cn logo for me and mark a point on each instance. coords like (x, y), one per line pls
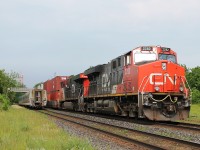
(166, 76)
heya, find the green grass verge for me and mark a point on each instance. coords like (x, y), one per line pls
(195, 112)
(23, 129)
(194, 115)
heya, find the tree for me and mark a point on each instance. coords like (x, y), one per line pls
(187, 70)
(193, 78)
(195, 96)
(6, 82)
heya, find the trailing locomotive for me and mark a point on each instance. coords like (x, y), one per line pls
(35, 98)
(146, 82)
(55, 90)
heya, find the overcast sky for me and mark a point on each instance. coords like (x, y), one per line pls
(41, 38)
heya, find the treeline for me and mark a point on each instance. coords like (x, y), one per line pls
(193, 78)
(7, 81)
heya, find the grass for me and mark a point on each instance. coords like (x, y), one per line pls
(23, 129)
(194, 112)
(194, 116)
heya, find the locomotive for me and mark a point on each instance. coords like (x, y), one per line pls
(146, 82)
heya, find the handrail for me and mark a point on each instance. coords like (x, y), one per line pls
(141, 84)
(187, 85)
(145, 84)
(140, 104)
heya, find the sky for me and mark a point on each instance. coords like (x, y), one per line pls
(43, 38)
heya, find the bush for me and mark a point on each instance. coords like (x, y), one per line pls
(195, 96)
(4, 102)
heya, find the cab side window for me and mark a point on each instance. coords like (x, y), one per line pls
(127, 60)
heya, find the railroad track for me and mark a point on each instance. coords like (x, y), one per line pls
(177, 125)
(113, 135)
(182, 125)
(100, 127)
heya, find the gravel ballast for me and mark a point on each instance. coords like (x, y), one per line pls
(179, 134)
(93, 138)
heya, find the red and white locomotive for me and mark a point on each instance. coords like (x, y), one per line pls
(146, 82)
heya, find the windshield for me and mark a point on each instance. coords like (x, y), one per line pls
(144, 57)
(171, 58)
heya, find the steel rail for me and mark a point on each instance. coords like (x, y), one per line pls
(179, 125)
(132, 141)
(188, 126)
(137, 131)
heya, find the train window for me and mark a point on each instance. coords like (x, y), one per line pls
(114, 64)
(171, 58)
(144, 57)
(127, 60)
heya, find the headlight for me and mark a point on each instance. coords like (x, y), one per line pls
(157, 88)
(181, 89)
(164, 66)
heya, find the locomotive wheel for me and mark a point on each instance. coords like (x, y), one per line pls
(169, 111)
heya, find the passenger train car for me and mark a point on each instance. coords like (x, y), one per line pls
(146, 82)
(35, 98)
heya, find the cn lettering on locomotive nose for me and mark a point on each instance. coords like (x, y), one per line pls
(165, 77)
